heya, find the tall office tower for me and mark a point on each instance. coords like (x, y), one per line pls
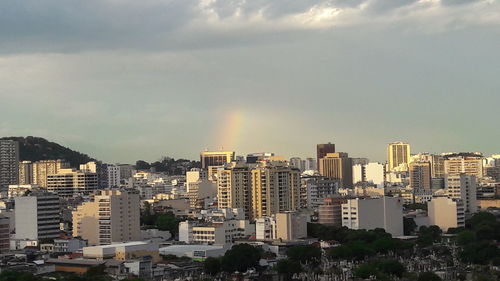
(113, 216)
(25, 172)
(37, 216)
(9, 163)
(337, 166)
(234, 187)
(420, 175)
(70, 182)
(322, 150)
(42, 169)
(398, 153)
(297, 163)
(215, 158)
(446, 212)
(370, 213)
(463, 187)
(311, 164)
(275, 189)
(463, 163)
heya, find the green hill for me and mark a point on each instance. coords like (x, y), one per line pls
(35, 149)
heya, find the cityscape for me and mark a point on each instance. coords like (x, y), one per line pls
(249, 140)
(417, 216)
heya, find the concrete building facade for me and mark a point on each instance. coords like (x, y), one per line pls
(37, 216)
(370, 213)
(9, 163)
(113, 216)
(70, 182)
(446, 212)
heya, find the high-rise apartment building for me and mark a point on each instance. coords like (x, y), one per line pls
(446, 212)
(463, 163)
(69, 182)
(37, 216)
(420, 175)
(9, 163)
(234, 187)
(113, 216)
(322, 150)
(370, 213)
(314, 189)
(398, 153)
(463, 187)
(337, 166)
(275, 188)
(216, 158)
(42, 169)
(113, 174)
(25, 172)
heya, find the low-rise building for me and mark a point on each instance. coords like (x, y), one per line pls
(446, 212)
(330, 212)
(370, 213)
(215, 232)
(287, 226)
(123, 251)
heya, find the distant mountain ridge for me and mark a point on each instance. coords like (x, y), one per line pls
(36, 148)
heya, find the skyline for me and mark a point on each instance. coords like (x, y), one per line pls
(250, 77)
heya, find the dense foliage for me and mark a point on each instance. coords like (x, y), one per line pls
(381, 269)
(357, 244)
(96, 273)
(168, 165)
(239, 258)
(478, 239)
(161, 221)
(305, 254)
(35, 149)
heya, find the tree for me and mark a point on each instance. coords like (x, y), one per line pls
(240, 258)
(466, 237)
(409, 226)
(305, 254)
(428, 276)
(168, 222)
(391, 267)
(288, 267)
(211, 266)
(142, 165)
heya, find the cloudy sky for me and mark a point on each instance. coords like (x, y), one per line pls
(123, 80)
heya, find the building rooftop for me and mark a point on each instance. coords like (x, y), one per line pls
(185, 248)
(133, 243)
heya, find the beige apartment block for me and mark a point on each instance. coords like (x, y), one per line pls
(113, 216)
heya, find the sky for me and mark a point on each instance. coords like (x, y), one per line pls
(123, 80)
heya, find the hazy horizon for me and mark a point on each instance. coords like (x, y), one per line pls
(129, 80)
